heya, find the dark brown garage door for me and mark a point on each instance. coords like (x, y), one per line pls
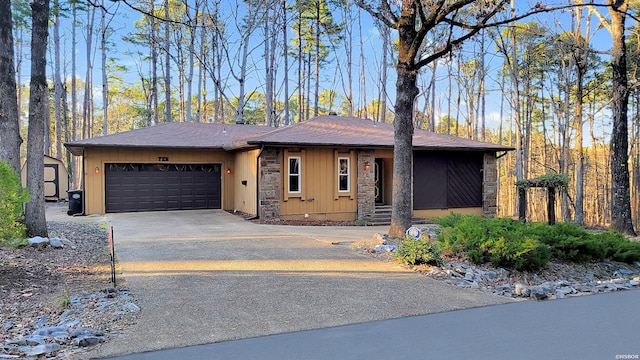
(157, 187)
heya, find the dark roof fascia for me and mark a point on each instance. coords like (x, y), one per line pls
(463, 148)
(372, 146)
(78, 149)
(243, 146)
(324, 145)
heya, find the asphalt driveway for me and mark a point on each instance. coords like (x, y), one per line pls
(208, 276)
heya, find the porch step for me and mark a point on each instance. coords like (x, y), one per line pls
(382, 216)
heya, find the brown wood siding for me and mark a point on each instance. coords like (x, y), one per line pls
(319, 182)
(94, 187)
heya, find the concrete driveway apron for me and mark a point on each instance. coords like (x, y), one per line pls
(208, 276)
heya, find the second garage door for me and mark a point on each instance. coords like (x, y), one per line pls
(156, 187)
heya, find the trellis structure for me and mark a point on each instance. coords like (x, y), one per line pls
(551, 181)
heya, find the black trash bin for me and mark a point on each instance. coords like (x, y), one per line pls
(75, 202)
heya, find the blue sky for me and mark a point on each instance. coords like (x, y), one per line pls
(122, 24)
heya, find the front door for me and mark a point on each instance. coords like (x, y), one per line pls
(379, 180)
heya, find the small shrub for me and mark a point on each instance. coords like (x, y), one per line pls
(570, 242)
(501, 241)
(418, 251)
(618, 247)
(519, 254)
(12, 197)
(514, 244)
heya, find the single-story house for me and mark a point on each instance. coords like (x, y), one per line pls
(326, 168)
(56, 179)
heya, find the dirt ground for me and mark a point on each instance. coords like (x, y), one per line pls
(36, 282)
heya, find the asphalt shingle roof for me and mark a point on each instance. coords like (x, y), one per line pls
(175, 135)
(319, 131)
(356, 132)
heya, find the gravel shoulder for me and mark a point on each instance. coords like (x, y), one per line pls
(42, 287)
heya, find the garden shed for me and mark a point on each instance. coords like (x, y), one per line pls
(56, 179)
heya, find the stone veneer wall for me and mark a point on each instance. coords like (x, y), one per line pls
(490, 185)
(366, 184)
(269, 187)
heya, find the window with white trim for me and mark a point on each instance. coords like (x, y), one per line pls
(294, 174)
(344, 175)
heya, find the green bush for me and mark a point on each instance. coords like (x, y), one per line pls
(418, 251)
(12, 197)
(618, 247)
(502, 241)
(518, 253)
(514, 244)
(570, 242)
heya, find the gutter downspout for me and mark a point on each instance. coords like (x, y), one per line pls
(82, 185)
(258, 185)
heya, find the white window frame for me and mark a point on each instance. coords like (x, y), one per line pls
(347, 174)
(299, 174)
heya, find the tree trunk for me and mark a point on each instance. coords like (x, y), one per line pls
(579, 203)
(348, 47)
(363, 79)
(316, 62)
(57, 85)
(87, 108)
(300, 69)
(482, 95)
(241, 80)
(154, 69)
(9, 119)
(285, 46)
(35, 218)
(620, 197)
(105, 84)
(202, 81)
(386, 35)
(74, 169)
(167, 65)
(193, 30)
(406, 92)
(268, 68)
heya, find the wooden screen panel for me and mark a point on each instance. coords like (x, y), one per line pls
(429, 182)
(465, 180)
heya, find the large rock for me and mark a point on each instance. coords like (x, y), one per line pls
(538, 293)
(79, 332)
(56, 243)
(38, 241)
(47, 331)
(384, 248)
(131, 307)
(521, 290)
(562, 292)
(29, 340)
(432, 230)
(88, 340)
(39, 349)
